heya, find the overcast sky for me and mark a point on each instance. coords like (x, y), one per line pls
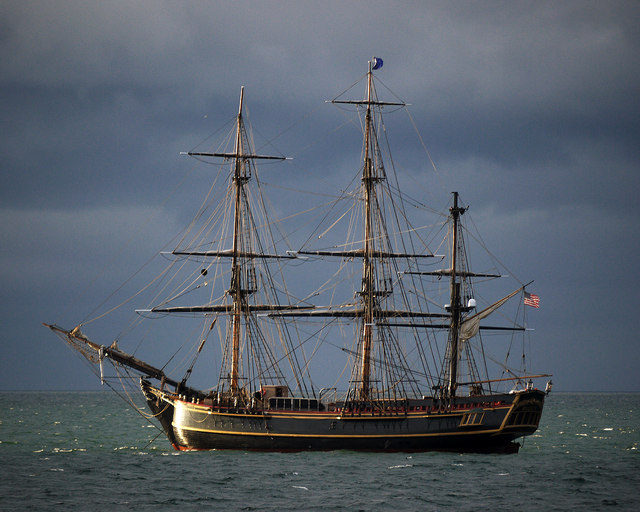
(529, 109)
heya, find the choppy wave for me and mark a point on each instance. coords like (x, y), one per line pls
(75, 451)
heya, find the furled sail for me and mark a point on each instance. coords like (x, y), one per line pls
(469, 328)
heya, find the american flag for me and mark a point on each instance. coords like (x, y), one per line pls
(532, 300)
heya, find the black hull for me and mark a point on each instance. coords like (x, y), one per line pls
(489, 424)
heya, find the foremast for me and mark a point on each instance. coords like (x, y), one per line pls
(248, 359)
(246, 249)
(243, 254)
(236, 291)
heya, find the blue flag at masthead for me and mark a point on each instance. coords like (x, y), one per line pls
(377, 63)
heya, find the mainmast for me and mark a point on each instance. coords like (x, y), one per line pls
(379, 369)
(367, 292)
(372, 173)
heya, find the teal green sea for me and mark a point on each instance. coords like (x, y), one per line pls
(92, 451)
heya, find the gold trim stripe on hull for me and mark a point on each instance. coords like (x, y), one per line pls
(337, 436)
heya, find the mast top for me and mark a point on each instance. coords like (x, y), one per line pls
(241, 100)
(374, 64)
(237, 154)
(455, 209)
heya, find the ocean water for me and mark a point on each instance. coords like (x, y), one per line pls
(91, 451)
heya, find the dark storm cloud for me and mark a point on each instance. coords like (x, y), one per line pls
(529, 109)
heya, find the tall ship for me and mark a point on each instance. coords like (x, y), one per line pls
(415, 372)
